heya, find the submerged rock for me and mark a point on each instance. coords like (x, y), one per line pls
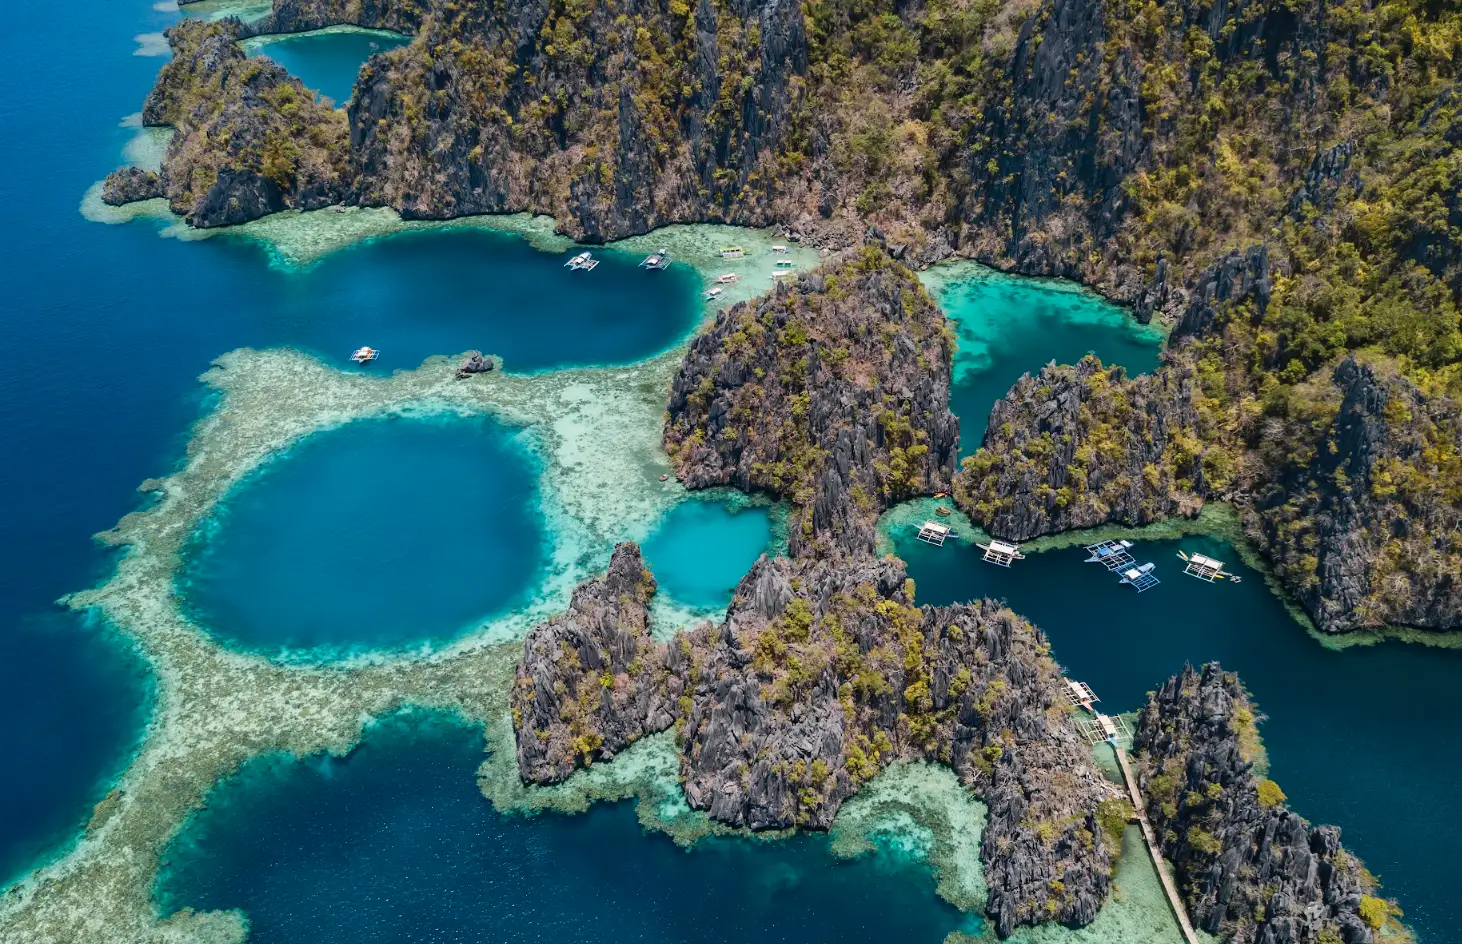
(1077, 447)
(1249, 868)
(592, 681)
(130, 184)
(833, 392)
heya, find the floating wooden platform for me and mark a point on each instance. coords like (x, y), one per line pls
(1001, 553)
(1113, 555)
(932, 532)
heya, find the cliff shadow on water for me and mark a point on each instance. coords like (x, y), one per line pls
(1340, 727)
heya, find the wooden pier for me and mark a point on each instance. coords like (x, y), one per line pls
(1114, 731)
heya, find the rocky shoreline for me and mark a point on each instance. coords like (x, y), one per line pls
(1249, 868)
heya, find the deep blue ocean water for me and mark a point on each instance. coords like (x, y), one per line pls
(1007, 327)
(1362, 738)
(395, 844)
(106, 329)
(329, 62)
(376, 535)
(703, 548)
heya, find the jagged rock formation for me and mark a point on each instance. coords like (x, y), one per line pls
(1076, 447)
(1249, 868)
(823, 673)
(592, 681)
(251, 139)
(1363, 514)
(130, 184)
(832, 392)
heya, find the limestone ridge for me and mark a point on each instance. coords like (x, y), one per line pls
(251, 139)
(1364, 514)
(823, 673)
(1249, 868)
(1076, 447)
(592, 681)
(129, 184)
(832, 392)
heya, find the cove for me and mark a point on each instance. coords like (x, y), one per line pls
(394, 843)
(704, 547)
(1010, 325)
(377, 535)
(328, 60)
(1362, 737)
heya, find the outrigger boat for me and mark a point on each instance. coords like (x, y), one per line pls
(779, 249)
(728, 279)
(1140, 577)
(732, 252)
(712, 293)
(780, 274)
(785, 264)
(656, 260)
(365, 355)
(1206, 568)
(577, 262)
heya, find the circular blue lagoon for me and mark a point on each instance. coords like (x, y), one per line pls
(415, 294)
(1010, 325)
(704, 547)
(394, 844)
(377, 535)
(327, 61)
(1361, 738)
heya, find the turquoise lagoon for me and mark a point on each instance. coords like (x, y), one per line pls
(380, 534)
(1360, 737)
(327, 60)
(394, 843)
(703, 548)
(1008, 326)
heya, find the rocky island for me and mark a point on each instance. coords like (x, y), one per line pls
(1162, 160)
(1250, 868)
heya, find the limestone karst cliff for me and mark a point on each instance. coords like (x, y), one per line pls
(833, 392)
(1248, 867)
(250, 138)
(1081, 446)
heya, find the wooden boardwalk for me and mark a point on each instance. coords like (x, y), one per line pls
(1181, 912)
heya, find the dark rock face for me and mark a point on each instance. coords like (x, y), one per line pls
(1364, 514)
(833, 393)
(1237, 277)
(476, 364)
(1076, 447)
(1248, 867)
(130, 184)
(592, 681)
(824, 672)
(282, 150)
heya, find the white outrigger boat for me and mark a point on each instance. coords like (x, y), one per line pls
(780, 249)
(732, 252)
(785, 264)
(656, 260)
(712, 293)
(583, 261)
(364, 355)
(730, 278)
